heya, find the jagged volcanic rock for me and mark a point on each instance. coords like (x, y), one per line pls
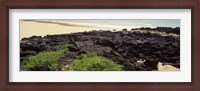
(123, 47)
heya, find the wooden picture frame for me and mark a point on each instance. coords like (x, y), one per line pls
(100, 4)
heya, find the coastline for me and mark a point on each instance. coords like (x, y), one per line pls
(31, 28)
(42, 28)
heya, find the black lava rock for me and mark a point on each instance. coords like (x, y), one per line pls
(124, 47)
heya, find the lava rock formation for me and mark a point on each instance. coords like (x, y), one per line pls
(123, 47)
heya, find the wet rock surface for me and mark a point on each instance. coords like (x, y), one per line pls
(123, 47)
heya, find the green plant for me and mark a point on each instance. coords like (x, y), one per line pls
(65, 46)
(47, 60)
(91, 62)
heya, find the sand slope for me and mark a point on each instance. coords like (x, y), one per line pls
(30, 28)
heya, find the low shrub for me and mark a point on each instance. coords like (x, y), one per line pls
(91, 62)
(44, 60)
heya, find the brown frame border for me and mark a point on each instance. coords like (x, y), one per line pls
(102, 4)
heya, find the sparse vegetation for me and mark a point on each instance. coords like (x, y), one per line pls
(91, 62)
(44, 60)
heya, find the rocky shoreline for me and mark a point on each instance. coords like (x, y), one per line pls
(135, 50)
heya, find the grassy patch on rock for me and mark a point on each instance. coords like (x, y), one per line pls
(44, 60)
(91, 62)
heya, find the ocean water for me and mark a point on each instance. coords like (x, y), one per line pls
(131, 23)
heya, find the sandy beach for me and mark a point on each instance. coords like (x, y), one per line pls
(36, 27)
(31, 28)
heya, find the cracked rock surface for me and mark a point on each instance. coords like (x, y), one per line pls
(123, 47)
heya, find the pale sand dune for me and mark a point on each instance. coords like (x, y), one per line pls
(30, 28)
